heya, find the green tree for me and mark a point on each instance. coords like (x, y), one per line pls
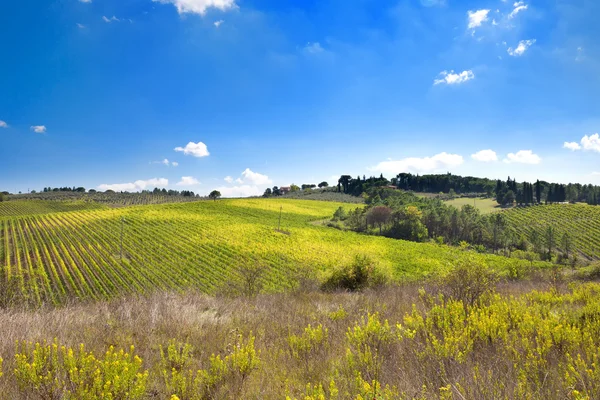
(340, 214)
(294, 188)
(323, 184)
(379, 215)
(268, 193)
(215, 194)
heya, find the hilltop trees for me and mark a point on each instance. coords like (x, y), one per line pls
(215, 194)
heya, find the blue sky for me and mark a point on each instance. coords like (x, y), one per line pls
(256, 93)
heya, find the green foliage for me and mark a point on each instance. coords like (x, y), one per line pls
(340, 214)
(52, 371)
(214, 195)
(469, 281)
(359, 275)
(575, 228)
(222, 375)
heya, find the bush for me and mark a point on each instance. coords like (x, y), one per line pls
(468, 281)
(359, 275)
(52, 371)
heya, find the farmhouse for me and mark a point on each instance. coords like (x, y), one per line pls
(284, 190)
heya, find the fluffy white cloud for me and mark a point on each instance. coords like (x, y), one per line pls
(439, 162)
(591, 142)
(523, 157)
(313, 48)
(249, 176)
(228, 179)
(219, 23)
(135, 186)
(518, 7)
(188, 181)
(521, 48)
(240, 191)
(38, 128)
(485, 156)
(452, 78)
(199, 6)
(572, 146)
(194, 149)
(476, 18)
(175, 164)
(3, 124)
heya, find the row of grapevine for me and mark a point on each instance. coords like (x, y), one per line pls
(49, 258)
(580, 221)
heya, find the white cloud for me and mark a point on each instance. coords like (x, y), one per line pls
(521, 48)
(523, 157)
(166, 162)
(240, 191)
(85, 1)
(591, 142)
(518, 7)
(439, 162)
(228, 179)
(38, 128)
(485, 156)
(452, 78)
(248, 176)
(80, 26)
(109, 20)
(3, 124)
(588, 143)
(572, 146)
(219, 23)
(188, 181)
(199, 6)
(135, 186)
(313, 48)
(595, 173)
(194, 149)
(476, 18)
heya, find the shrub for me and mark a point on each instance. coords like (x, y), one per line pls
(224, 374)
(52, 371)
(468, 281)
(359, 275)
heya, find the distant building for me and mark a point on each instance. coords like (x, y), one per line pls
(284, 190)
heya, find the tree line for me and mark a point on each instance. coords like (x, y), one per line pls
(506, 192)
(403, 215)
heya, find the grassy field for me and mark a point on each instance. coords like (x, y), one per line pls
(530, 340)
(580, 221)
(50, 258)
(486, 206)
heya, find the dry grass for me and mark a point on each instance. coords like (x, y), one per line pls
(210, 324)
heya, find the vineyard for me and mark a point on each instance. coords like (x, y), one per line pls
(581, 222)
(111, 199)
(49, 258)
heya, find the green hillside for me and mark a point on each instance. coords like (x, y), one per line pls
(580, 221)
(52, 257)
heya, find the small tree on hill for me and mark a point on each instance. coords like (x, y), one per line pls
(323, 184)
(379, 215)
(215, 194)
